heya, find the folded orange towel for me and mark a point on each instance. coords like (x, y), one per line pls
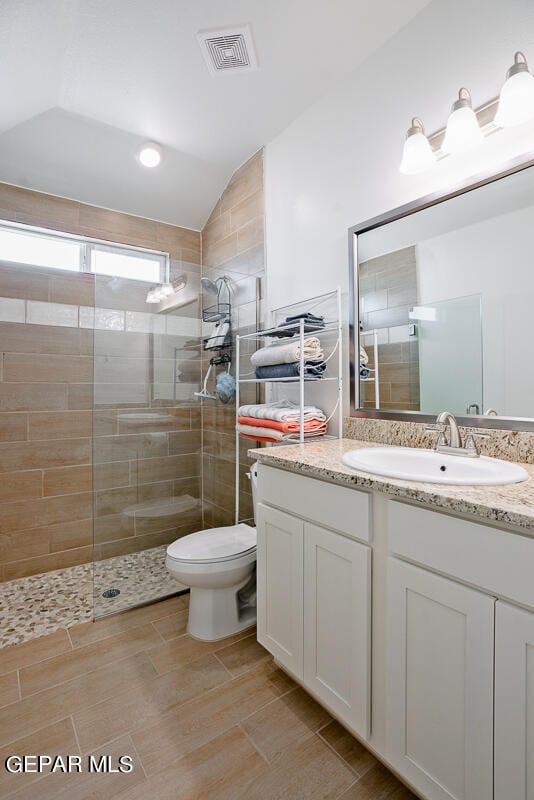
(260, 438)
(286, 427)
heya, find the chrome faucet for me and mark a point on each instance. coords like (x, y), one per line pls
(446, 418)
(453, 446)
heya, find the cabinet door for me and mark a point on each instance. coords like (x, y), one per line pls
(280, 590)
(440, 659)
(514, 703)
(337, 624)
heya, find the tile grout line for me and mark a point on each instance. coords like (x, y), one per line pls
(160, 634)
(223, 665)
(75, 733)
(138, 756)
(253, 743)
(266, 705)
(344, 792)
(340, 757)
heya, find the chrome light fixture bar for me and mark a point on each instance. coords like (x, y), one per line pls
(467, 127)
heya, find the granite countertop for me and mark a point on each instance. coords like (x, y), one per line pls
(512, 504)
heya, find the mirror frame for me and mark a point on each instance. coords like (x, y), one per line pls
(475, 421)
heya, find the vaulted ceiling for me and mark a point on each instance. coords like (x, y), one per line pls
(84, 82)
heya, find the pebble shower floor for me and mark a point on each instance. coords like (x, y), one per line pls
(41, 604)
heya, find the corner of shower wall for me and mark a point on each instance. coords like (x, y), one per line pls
(233, 245)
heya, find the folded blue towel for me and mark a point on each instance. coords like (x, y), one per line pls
(312, 369)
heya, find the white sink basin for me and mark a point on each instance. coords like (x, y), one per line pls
(412, 464)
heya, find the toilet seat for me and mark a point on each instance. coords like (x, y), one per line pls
(214, 545)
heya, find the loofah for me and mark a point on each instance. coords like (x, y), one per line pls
(225, 387)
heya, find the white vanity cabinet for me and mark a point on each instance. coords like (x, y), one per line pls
(314, 590)
(446, 612)
(280, 586)
(514, 703)
(440, 684)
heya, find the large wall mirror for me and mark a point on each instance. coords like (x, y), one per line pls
(443, 307)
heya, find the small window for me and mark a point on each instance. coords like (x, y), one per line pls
(135, 265)
(35, 247)
(29, 248)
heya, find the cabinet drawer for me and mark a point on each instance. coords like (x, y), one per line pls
(499, 562)
(335, 507)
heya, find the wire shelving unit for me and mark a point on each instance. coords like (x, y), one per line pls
(332, 326)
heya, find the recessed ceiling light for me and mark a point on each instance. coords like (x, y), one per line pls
(150, 154)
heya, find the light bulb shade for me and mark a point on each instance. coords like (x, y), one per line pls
(166, 290)
(150, 155)
(417, 155)
(516, 101)
(463, 131)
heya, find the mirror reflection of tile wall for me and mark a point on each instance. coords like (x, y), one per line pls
(388, 292)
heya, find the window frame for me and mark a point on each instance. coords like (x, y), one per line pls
(87, 246)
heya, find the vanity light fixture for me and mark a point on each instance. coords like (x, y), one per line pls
(467, 127)
(150, 155)
(159, 293)
(418, 155)
(463, 131)
(516, 101)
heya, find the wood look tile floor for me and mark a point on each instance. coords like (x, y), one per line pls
(201, 721)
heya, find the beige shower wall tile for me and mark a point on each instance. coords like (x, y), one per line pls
(25, 514)
(45, 339)
(46, 563)
(19, 485)
(37, 208)
(62, 425)
(117, 226)
(247, 210)
(26, 397)
(250, 234)
(25, 284)
(19, 545)
(67, 480)
(40, 368)
(13, 427)
(244, 182)
(70, 535)
(41, 454)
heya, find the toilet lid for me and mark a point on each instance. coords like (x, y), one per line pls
(214, 544)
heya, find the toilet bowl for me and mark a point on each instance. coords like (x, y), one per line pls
(218, 564)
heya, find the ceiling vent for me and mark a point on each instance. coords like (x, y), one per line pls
(228, 51)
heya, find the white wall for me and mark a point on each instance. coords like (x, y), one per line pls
(338, 163)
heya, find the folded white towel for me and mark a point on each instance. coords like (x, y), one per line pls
(287, 353)
(271, 433)
(281, 411)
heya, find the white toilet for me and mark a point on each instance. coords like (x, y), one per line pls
(218, 564)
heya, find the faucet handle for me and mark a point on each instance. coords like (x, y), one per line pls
(439, 429)
(470, 444)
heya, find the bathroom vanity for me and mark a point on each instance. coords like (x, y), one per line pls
(407, 610)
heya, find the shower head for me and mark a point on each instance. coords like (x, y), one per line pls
(209, 285)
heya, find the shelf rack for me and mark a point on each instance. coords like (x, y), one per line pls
(374, 333)
(333, 326)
